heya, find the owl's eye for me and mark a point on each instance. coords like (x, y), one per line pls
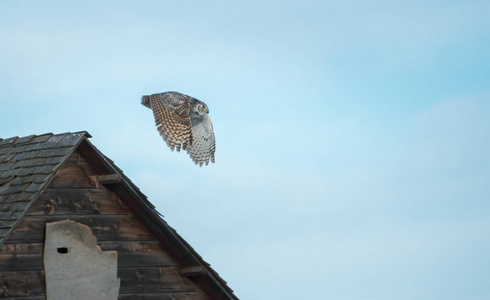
(203, 108)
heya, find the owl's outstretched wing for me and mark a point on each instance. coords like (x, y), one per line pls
(203, 142)
(171, 112)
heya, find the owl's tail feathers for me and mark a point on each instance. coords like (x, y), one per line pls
(145, 100)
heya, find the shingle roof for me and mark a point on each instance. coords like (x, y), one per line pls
(27, 165)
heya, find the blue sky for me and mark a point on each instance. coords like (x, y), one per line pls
(353, 137)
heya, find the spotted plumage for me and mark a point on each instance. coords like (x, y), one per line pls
(184, 123)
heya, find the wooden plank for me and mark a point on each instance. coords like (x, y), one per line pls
(24, 256)
(165, 296)
(29, 298)
(139, 253)
(104, 227)
(193, 271)
(21, 284)
(96, 159)
(153, 280)
(209, 282)
(133, 281)
(29, 256)
(109, 179)
(21, 262)
(22, 248)
(78, 202)
(75, 157)
(73, 175)
(167, 236)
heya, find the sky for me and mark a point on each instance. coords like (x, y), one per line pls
(353, 137)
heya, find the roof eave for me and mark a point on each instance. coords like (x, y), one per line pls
(211, 283)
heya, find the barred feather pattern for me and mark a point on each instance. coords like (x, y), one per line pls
(172, 119)
(182, 125)
(203, 141)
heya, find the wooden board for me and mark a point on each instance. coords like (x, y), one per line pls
(78, 202)
(165, 296)
(133, 280)
(22, 284)
(104, 227)
(153, 280)
(28, 256)
(76, 157)
(139, 253)
(73, 175)
(30, 298)
(146, 296)
(21, 262)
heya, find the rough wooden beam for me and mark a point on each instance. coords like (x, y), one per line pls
(109, 179)
(193, 271)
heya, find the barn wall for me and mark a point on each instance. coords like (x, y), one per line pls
(146, 270)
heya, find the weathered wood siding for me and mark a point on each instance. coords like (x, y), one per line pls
(146, 270)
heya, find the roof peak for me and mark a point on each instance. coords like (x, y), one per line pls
(33, 138)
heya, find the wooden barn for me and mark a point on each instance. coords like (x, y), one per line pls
(73, 226)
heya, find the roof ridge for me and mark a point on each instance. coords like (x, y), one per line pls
(86, 133)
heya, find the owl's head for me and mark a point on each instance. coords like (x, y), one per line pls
(200, 108)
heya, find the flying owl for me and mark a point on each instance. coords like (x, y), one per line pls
(184, 123)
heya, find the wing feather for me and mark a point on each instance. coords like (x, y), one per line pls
(182, 127)
(171, 112)
(203, 144)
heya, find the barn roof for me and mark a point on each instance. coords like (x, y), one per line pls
(28, 165)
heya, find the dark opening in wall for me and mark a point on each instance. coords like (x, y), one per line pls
(63, 250)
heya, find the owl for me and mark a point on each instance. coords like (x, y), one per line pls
(184, 123)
